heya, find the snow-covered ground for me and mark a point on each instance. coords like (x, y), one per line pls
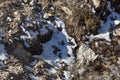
(3, 53)
(62, 56)
(112, 20)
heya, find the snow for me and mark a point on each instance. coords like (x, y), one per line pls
(43, 30)
(109, 6)
(105, 26)
(67, 75)
(112, 20)
(33, 77)
(29, 35)
(48, 54)
(3, 54)
(33, 62)
(51, 70)
(105, 36)
(2, 65)
(29, 68)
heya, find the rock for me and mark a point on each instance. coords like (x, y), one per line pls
(33, 2)
(118, 60)
(85, 54)
(39, 65)
(115, 4)
(46, 35)
(26, 1)
(17, 15)
(35, 47)
(56, 49)
(15, 30)
(50, 13)
(119, 42)
(4, 75)
(45, 16)
(96, 3)
(67, 10)
(116, 32)
(20, 52)
(1, 13)
(13, 66)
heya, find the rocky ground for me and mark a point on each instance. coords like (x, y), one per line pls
(60, 39)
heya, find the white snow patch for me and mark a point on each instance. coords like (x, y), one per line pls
(3, 54)
(51, 70)
(29, 35)
(112, 20)
(48, 54)
(105, 36)
(67, 75)
(93, 10)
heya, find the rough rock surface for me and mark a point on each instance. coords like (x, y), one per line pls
(34, 44)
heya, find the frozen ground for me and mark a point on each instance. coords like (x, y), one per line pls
(46, 51)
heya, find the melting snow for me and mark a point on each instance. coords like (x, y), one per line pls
(48, 52)
(33, 77)
(67, 75)
(3, 54)
(112, 20)
(105, 36)
(51, 70)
